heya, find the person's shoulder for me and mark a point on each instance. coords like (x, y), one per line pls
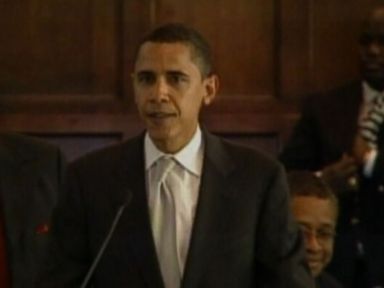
(25, 144)
(247, 155)
(326, 280)
(247, 151)
(111, 153)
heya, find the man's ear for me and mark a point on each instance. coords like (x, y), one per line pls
(211, 84)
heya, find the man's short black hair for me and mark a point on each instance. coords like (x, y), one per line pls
(179, 33)
(306, 183)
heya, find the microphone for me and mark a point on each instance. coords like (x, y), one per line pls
(103, 246)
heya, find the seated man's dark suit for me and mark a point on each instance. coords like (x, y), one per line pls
(325, 280)
(243, 234)
(326, 130)
(30, 173)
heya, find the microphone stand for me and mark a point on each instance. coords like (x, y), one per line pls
(105, 243)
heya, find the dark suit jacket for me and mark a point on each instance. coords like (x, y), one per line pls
(324, 132)
(30, 173)
(243, 234)
(326, 280)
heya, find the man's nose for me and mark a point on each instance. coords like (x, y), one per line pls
(311, 242)
(161, 90)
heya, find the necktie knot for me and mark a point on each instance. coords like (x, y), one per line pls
(164, 165)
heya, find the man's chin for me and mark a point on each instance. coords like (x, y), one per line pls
(157, 134)
(315, 268)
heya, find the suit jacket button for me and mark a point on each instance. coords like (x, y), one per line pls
(381, 188)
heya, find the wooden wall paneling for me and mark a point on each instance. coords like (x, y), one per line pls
(335, 31)
(38, 49)
(106, 37)
(295, 51)
(58, 53)
(137, 19)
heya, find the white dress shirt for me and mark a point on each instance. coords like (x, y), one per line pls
(189, 170)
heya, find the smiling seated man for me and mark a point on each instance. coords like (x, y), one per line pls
(315, 208)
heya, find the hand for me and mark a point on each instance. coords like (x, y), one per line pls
(342, 175)
(369, 128)
(361, 149)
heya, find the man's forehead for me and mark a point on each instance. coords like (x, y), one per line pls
(167, 58)
(172, 55)
(168, 50)
(303, 204)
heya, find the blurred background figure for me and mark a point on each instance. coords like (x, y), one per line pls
(30, 178)
(315, 208)
(340, 137)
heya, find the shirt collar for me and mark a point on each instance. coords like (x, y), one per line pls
(190, 157)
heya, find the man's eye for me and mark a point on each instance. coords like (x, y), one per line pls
(146, 78)
(326, 234)
(176, 79)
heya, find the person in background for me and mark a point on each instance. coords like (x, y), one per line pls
(31, 173)
(198, 211)
(315, 208)
(340, 138)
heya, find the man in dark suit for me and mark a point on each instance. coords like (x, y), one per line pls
(315, 208)
(30, 176)
(331, 140)
(230, 224)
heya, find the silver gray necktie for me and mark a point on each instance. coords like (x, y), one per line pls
(164, 223)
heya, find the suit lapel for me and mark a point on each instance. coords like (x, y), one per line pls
(135, 225)
(208, 224)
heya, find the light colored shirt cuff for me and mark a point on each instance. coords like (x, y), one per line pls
(319, 173)
(369, 163)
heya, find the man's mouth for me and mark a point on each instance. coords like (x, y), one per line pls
(314, 262)
(160, 115)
